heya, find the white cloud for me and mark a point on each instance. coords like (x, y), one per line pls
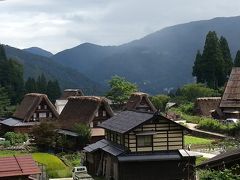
(59, 24)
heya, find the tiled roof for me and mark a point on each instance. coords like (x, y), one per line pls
(125, 121)
(15, 122)
(18, 166)
(224, 158)
(106, 146)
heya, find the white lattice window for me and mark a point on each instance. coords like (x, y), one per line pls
(42, 115)
(45, 106)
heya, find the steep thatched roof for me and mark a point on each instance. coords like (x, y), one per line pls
(71, 92)
(82, 109)
(138, 100)
(29, 105)
(231, 96)
(205, 105)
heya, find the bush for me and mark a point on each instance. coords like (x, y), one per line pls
(187, 108)
(160, 101)
(226, 174)
(15, 138)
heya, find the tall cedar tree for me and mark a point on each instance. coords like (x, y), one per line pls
(30, 85)
(210, 68)
(53, 90)
(41, 84)
(11, 77)
(228, 62)
(237, 59)
(4, 103)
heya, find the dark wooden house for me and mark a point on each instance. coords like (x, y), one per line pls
(33, 109)
(90, 110)
(18, 168)
(62, 101)
(140, 101)
(228, 159)
(141, 146)
(230, 102)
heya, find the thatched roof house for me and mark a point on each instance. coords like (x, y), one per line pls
(204, 106)
(90, 110)
(140, 101)
(33, 109)
(62, 101)
(230, 102)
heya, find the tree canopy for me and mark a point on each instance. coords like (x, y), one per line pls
(11, 77)
(120, 90)
(214, 64)
(160, 101)
(237, 59)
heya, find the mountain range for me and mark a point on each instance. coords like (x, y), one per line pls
(157, 62)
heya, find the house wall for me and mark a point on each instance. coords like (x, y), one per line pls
(152, 170)
(165, 136)
(100, 116)
(42, 109)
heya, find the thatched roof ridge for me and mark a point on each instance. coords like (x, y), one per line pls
(71, 92)
(135, 100)
(231, 96)
(82, 109)
(205, 105)
(30, 103)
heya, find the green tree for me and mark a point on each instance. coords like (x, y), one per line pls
(120, 90)
(228, 63)
(2, 53)
(53, 90)
(160, 101)
(84, 132)
(237, 59)
(44, 135)
(30, 85)
(189, 92)
(210, 67)
(197, 69)
(11, 77)
(41, 84)
(4, 103)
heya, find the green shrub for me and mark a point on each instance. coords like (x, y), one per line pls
(15, 138)
(187, 108)
(226, 174)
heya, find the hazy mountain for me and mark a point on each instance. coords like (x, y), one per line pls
(160, 60)
(38, 51)
(35, 65)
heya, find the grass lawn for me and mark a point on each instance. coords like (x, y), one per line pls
(54, 166)
(196, 140)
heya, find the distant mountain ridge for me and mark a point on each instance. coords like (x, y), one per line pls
(156, 62)
(35, 65)
(38, 51)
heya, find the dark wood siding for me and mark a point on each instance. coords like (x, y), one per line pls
(153, 170)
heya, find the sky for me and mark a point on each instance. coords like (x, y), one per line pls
(56, 25)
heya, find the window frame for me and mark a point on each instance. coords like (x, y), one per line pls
(144, 143)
